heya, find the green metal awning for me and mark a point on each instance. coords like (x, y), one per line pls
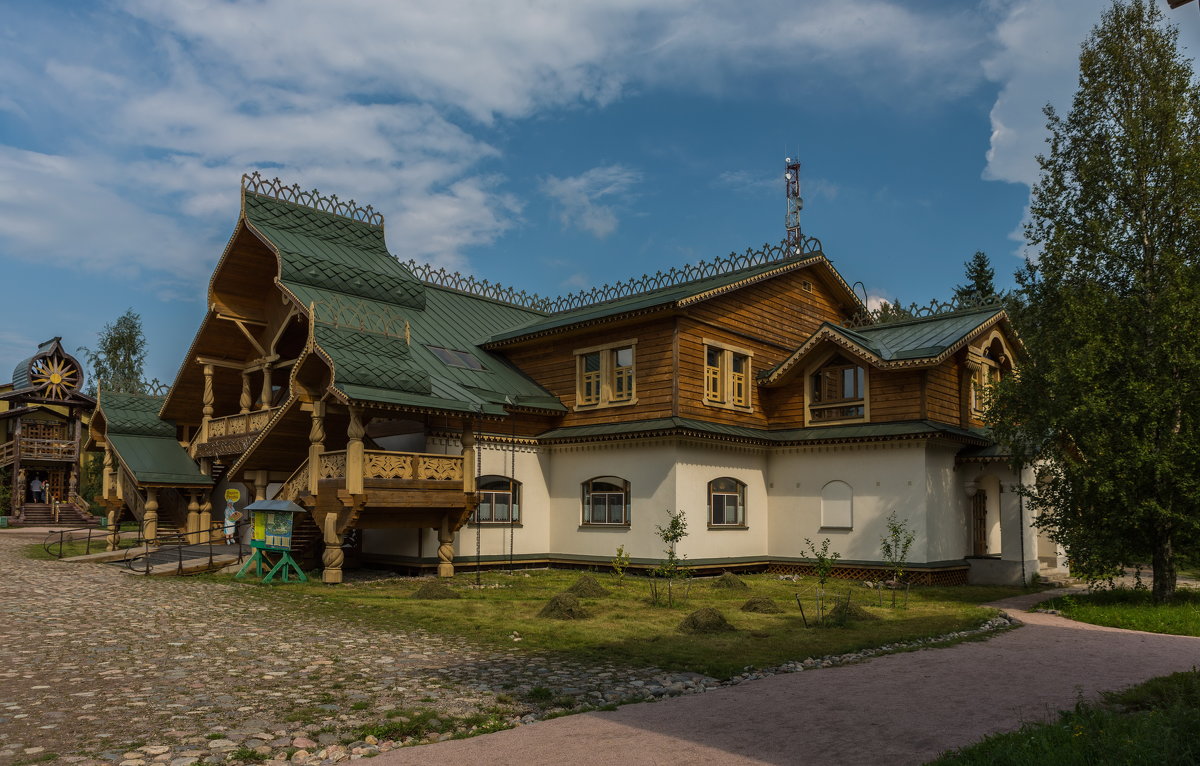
(157, 460)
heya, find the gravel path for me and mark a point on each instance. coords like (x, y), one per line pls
(98, 666)
(897, 709)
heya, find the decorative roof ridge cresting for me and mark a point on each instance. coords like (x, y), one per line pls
(276, 189)
(675, 277)
(914, 311)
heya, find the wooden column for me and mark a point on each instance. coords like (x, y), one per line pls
(445, 549)
(354, 452)
(333, 557)
(150, 516)
(193, 519)
(114, 534)
(106, 476)
(316, 446)
(206, 520)
(265, 404)
(246, 400)
(260, 485)
(208, 400)
(468, 456)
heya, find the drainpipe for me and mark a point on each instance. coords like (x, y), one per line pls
(1021, 525)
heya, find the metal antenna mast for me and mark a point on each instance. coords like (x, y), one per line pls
(795, 203)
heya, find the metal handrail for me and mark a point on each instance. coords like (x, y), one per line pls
(181, 542)
(100, 532)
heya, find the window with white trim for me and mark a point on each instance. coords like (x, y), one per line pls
(605, 375)
(726, 503)
(606, 501)
(726, 375)
(499, 500)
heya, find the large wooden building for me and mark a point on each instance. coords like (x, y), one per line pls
(426, 419)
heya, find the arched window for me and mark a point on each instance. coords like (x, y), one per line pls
(499, 500)
(606, 501)
(838, 391)
(837, 505)
(726, 503)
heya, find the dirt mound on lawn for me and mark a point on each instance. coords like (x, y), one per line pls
(706, 620)
(563, 606)
(587, 587)
(730, 581)
(761, 605)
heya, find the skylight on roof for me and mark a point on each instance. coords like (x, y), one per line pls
(452, 358)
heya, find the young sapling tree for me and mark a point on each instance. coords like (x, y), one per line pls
(894, 547)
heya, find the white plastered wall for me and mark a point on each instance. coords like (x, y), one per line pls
(697, 466)
(885, 477)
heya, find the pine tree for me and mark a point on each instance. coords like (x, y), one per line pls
(980, 279)
(119, 357)
(1106, 403)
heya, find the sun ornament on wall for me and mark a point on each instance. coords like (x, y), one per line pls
(55, 374)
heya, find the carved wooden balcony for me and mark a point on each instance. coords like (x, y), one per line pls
(48, 449)
(232, 434)
(399, 488)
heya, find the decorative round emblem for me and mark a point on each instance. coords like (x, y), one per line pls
(55, 374)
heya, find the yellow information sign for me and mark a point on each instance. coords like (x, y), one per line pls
(232, 495)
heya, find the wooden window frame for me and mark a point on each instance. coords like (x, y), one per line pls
(514, 502)
(607, 394)
(986, 371)
(741, 500)
(863, 401)
(725, 395)
(586, 495)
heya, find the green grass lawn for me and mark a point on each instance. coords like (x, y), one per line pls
(625, 627)
(1151, 724)
(1133, 610)
(73, 548)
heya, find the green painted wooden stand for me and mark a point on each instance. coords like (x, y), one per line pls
(285, 564)
(273, 522)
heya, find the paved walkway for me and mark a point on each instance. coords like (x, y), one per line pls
(897, 709)
(100, 666)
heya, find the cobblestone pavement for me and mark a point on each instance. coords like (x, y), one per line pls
(97, 666)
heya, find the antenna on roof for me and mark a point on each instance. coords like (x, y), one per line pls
(795, 203)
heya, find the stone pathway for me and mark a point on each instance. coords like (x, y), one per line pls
(97, 666)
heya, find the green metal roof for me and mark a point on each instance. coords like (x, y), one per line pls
(133, 414)
(919, 338)
(646, 300)
(789, 436)
(146, 444)
(157, 460)
(375, 320)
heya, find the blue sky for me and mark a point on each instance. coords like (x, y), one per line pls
(550, 146)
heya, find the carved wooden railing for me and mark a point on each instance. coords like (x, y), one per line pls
(8, 453)
(240, 424)
(378, 464)
(132, 495)
(295, 486)
(48, 449)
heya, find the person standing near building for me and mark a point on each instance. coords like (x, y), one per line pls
(37, 489)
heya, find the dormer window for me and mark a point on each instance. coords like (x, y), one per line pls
(605, 375)
(990, 367)
(454, 358)
(837, 392)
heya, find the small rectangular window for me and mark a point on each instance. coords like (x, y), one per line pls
(622, 362)
(454, 358)
(590, 378)
(737, 379)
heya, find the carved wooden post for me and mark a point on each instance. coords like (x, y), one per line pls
(260, 485)
(208, 400)
(150, 515)
(193, 519)
(114, 534)
(445, 549)
(316, 446)
(333, 556)
(18, 494)
(354, 453)
(246, 399)
(468, 456)
(265, 404)
(206, 521)
(106, 476)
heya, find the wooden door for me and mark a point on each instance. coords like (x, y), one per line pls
(979, 524)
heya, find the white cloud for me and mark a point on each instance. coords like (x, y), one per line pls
(578, 197)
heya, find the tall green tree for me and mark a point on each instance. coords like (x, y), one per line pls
(980, 279)
(119, 357)
(1106, 401)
